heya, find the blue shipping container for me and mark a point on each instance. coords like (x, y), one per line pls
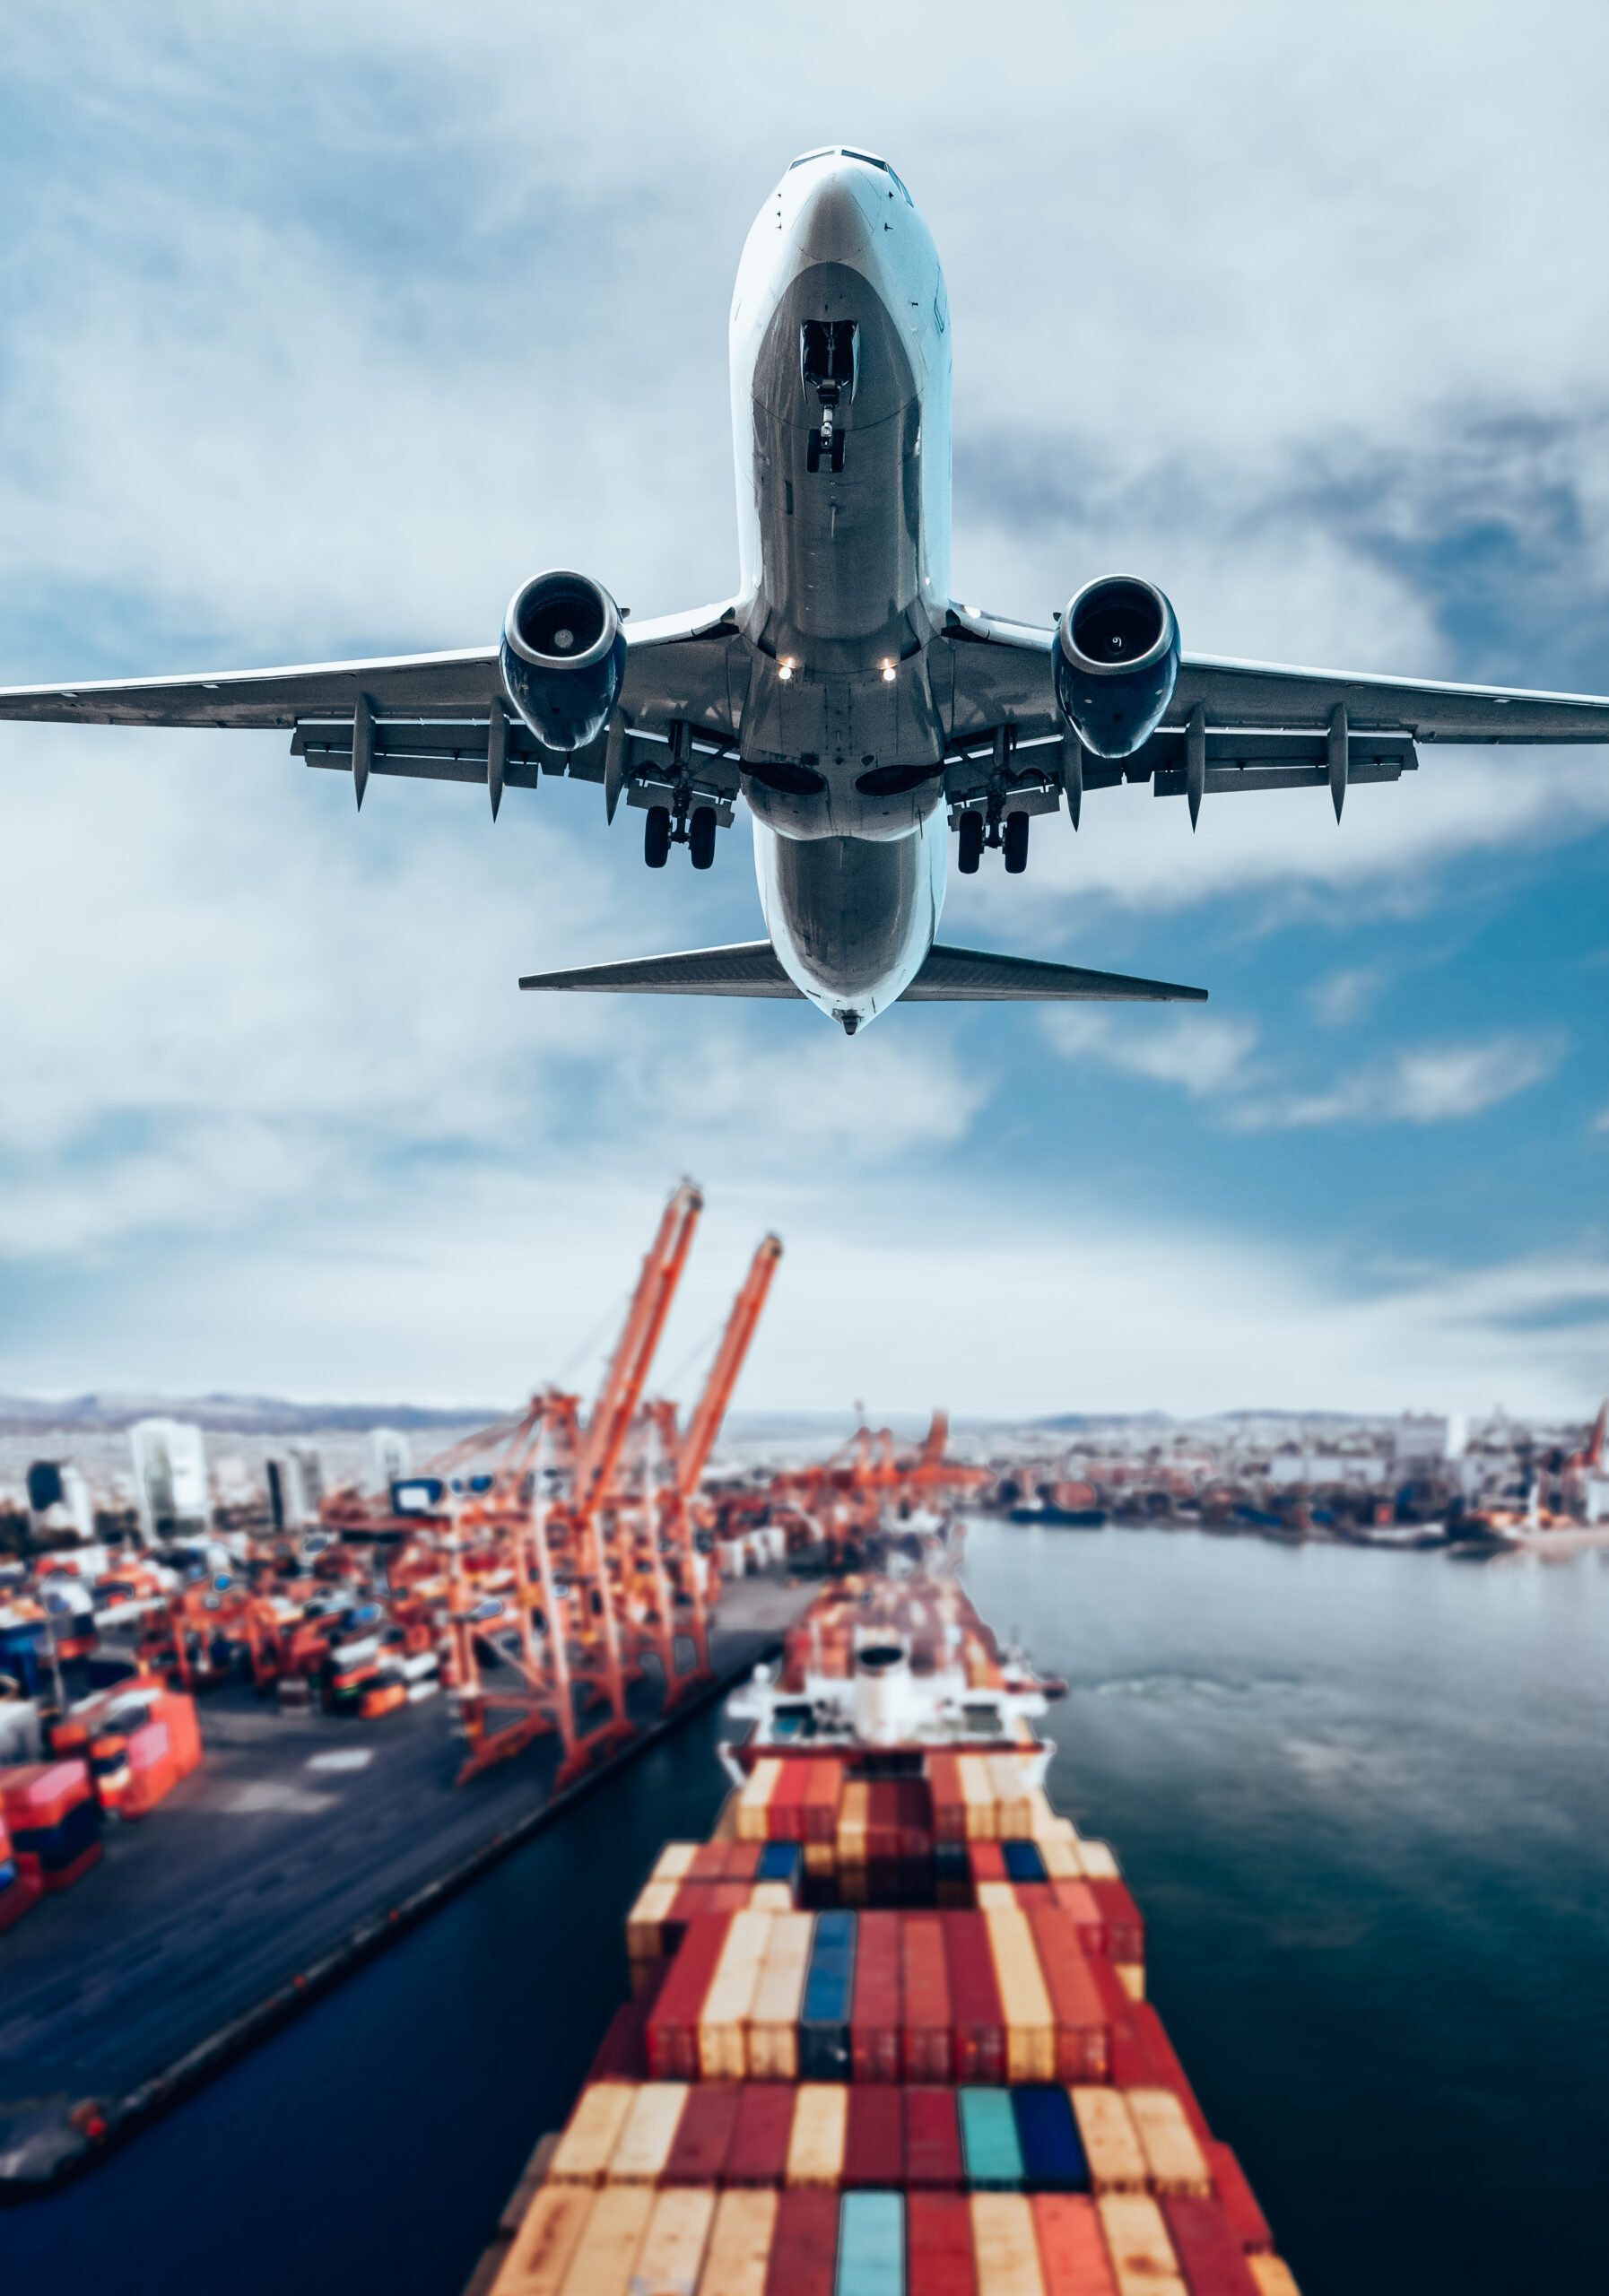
(781, 1861)
(871, 2244)
(1053, 2157)
(829, 1991)
(1023, 1861)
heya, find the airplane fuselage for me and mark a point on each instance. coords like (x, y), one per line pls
(840, 411)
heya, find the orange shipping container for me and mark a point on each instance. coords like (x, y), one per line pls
(1272, 2275)
(1111, 2142)
(673, 2246)
(610, 2239)
(754, 1799)
(1172, 2155)
(1073, 2255)
(723, 2054)
(815, 2148)
(1025, 2001)
(1136, 2240)
(647, 2134)
(546, 2242)
(773, 2036)
(740, 2244)
(585, 2148)
(1098, 1861)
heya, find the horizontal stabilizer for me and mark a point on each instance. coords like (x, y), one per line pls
(949, 976)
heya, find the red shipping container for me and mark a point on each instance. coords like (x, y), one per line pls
(938, 2245)
(757, 2153)
(916, 1818)
(874, 2011)
(623, 2052)
(933, 2154)
(674, 2021)
(1152, 2031)
(785, 1812)
(1212, 2260)
(874, 2138)
(1134, 2065)
(925, 2035)
(949, 1804)
(1083, 2035)
(697, 1901)
(1078, 1899)
(1073, 2255)
(976, 2021)
(883, 1822)
(1250, 2224)
(743, 1860)
(703, 2137)
(821, 1797)
(803, 2259)
(986, 1860)
(708, 1863)
(1121, 1917)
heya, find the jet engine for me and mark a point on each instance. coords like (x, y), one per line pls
(563, 657)
(1117, 662)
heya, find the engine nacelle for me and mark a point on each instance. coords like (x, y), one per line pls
(563, 657)
(1117, 664)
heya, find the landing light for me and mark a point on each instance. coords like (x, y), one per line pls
(784, 671)
(888, 673)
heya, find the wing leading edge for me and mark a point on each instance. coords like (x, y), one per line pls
(949, 976)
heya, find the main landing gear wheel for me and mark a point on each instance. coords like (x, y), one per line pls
(969, 843)
(657, 836)
(700, 836)
(1016, 844)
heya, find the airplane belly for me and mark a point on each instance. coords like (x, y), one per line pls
(852, 919)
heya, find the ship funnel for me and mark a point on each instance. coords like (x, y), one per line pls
(883, 1690)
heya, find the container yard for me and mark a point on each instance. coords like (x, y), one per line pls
(889, 2025)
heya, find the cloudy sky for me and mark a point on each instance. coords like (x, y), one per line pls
(321, 326)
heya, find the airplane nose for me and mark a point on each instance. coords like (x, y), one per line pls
(831, 225)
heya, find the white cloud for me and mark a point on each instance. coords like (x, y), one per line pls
(1203, 1055)
(1419, 1084)
(1345, 996)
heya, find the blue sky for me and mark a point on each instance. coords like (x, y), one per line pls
(320, 328)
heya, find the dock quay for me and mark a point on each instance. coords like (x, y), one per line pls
(303, 1845)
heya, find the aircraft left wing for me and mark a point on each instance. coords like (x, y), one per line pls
(1260, 725)
(432, 717)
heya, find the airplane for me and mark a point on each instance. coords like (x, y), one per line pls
(860, 713)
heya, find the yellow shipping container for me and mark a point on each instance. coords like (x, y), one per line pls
(1045, 1820)
(740, 2244)
(1013, 1795)
(644, 1937)
(754, 1800)
(1136, 2240)
(815, 2147)
(722, 2053)
(1111, 2142)
(770, 1896)
(773, 2036)
(607, 2249)
(1062, 1860)
(673, 2246)
(1173, 2158)
(983, 1819)
(675, 1862)
(644, 2144)
(1272, 2275)
(1030, 2023)
(1001, 1896)
(593, 2132)
(546, 2241)
(1131, 1976)
(1003, 2246)
(1098, 1863)
(853, 1812)
(820, 1858)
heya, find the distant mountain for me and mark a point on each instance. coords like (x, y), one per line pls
(232, 1415)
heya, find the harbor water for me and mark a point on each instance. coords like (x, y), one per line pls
(1363, 1801)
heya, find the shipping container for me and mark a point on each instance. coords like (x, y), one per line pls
(674, 1861)
(874, 2023)
(761, 2132)
(933, 2160)
(773, 2040)
(875, 2137)
(753, 1801)
(988, 2139)
(1272, 2275)
(1136, 2241)
(542, 2249)
(703, 2138)
(610, 2239)
(1098, 1861)
(648, 2132)
(1053, 2158)
(1060, 1858)
(782, 1861)
(816, 2152)
(723, 2021)
(786, 1811)
(1120, 1919)
(1239, 2202)
(824, 2050)
(1170, 2072)
(853, 1812)
(1111, 2142)
(673, 2035)
(822, 1799)
(986, 1861)
(871, 2245)
(646, 1922)
(1004, 2251)
(1030, 2029)
(804, 2245)
(1173, 2157)
(948, 1802)
(938, 2245)
(978, 2025)
(1211, 2258)
(739, 2253)
(672, 2254)
(1072, 2256)
(1083, 2031)
(1024, 1862)
(982, 1818)
(587, 2144)
(925, 2049)
(1077, 1899)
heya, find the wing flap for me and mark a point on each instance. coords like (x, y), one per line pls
(949, 976)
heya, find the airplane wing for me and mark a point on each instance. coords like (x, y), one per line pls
(1263, 725)
(431, 716)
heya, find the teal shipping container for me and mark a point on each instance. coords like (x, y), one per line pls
(871, 2245)
(989, 2143)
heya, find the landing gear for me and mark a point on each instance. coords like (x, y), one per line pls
(1015, 841)
(657, 836)
(700, 836)
(968, 838)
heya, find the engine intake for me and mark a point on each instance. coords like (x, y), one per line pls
(1117, 664)
(563, 657)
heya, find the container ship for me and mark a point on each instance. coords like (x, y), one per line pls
(889, 2028)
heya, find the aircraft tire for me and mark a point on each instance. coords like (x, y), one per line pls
(1016, 844)
(700, 836)
(657, 836)
(968, 839)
